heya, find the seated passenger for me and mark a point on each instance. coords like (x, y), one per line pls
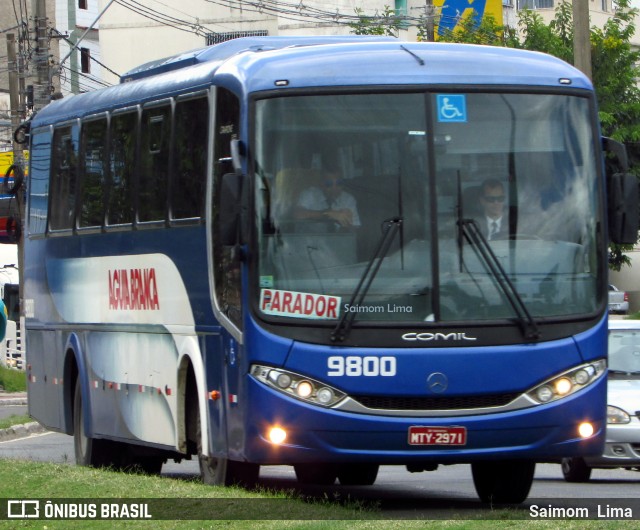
(287, 187)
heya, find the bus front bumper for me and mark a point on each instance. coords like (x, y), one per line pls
(315, 434)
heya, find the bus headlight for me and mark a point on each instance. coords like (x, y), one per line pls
(568, 383)
(297, 386)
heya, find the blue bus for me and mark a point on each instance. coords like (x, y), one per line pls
(273, 251)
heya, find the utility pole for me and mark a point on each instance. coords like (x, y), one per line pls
(581, 37)
(430, 14)
(14, 96)
(17, 116)
(42, 87)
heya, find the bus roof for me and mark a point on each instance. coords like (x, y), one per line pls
(354, 62)
(227, 49)
(400, 63)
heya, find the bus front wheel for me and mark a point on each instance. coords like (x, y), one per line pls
(225, 472)
(575, 469)
(503, 482)
(321, 474)
(358, 474)
(89, 451)
(218, 471)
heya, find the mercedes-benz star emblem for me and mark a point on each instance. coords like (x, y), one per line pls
(437, 382)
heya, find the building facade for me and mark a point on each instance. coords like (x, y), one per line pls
(80, 67)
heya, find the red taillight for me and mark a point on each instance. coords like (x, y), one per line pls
(626, 296)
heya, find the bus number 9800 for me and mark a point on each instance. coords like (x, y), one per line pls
(355, 366)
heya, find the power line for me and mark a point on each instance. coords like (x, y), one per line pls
(156, 16)
(69, 41)
(87, 76)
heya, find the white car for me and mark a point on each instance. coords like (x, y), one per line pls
(622, 448)
(618, 300)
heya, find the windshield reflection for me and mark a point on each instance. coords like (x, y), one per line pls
(331, 170)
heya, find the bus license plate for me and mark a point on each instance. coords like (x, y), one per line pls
(419, 435)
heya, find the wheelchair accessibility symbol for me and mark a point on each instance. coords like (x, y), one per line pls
(452, 108)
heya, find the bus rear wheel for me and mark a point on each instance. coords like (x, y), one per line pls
(503, 482)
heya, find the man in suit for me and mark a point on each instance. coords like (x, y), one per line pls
(493, 224)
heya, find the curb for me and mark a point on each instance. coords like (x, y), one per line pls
(12, 401)
(21, 431)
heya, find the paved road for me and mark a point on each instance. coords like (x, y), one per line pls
(394, 485)
(13, 403)
(17, 410)
(397, 492)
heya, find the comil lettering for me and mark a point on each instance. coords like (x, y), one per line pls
(436, 336)
(133, 290)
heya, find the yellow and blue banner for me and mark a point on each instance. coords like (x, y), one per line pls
(453, 11)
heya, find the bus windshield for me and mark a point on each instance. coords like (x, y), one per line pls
(478, 186)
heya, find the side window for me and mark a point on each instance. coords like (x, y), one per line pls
(39, 181)
(155, 135)
(190, 163)
(63, 178)
(122, 160)
(227, 261)
(94, 172)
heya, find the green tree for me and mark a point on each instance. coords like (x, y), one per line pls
(469, 31)
(387, 23)
(555, 38)
(614, 64)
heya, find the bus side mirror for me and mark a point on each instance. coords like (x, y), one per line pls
(622, 195)
(623, 208)
(232, 208)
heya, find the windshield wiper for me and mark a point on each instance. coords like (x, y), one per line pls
(476, 239)
(391, 228)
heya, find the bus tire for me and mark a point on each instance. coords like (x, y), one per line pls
(322, 474)
(575, 469)
(503, 482)
(218, 471)
(131, 462)
(358, 474)
(88, 451)
(224, 472)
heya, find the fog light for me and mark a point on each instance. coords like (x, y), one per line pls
(618, 450)
(277, 435)
(586, 430)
